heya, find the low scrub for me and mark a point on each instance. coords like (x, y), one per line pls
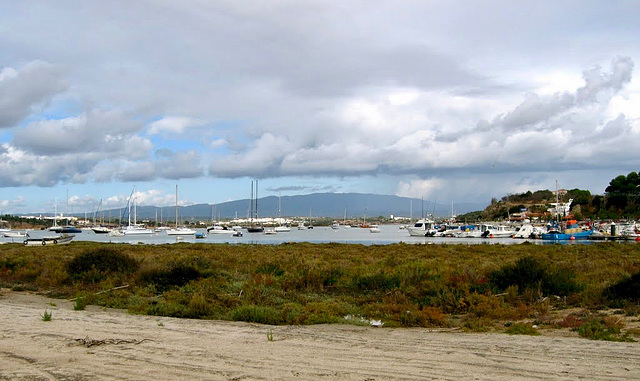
(532, 274)
(95, 265)
(165, 279)
(476, 287)
(602, 329)
(522, 329)
(257, 314)
(626, 290)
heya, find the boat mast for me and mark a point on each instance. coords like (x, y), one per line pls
(410, 210)
(256, 200)
(176, 206)
(251, 205)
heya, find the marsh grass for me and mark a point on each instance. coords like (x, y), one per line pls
(303, 283)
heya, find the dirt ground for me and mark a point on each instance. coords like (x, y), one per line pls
(129, 347)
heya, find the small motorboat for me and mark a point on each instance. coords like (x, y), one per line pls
(63, 239)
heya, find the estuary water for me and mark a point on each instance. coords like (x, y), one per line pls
(388, 234)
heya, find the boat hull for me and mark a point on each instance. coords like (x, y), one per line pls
(60, 240)
(181, 231)
(567, 236)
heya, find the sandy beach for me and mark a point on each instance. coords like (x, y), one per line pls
(129, 347)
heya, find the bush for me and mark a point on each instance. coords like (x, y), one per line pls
(522, 329)
(256, 314)
(602, 329)
(627, 289)
(530, 274)
(379, 281)
(93, 266)
(166, 279)
(526, 273)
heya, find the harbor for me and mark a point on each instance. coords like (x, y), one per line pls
(387, 234)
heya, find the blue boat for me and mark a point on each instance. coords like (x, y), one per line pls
(572, 231)
(558, 236)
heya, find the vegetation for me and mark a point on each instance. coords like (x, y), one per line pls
(473, 287)
(46, 316)
(522, 329)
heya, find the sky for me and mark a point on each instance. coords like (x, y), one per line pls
(459, 101)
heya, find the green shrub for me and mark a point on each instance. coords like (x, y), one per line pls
(627, 289)
(526, 273)
(561, 282)
(80, 304)
(599, 329)
(46, 316)
(257, 314)
(530, 274)
(163, 280)
(270, 268)
(93, 266)
(521, 329)
(378, 281)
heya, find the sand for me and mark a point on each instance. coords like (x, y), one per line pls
(133, 347)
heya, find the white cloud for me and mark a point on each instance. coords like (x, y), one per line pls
(109, 132)
(427, 188)
(172, 124)
(8, 206)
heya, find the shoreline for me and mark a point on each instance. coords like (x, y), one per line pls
(163, 348)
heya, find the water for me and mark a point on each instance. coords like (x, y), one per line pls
(389, 234)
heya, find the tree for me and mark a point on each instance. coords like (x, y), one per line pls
(625, 185)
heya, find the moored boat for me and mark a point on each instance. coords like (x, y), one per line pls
(15, 234)
(63, 239)
(100, 229)
(422, 228)
(570, 232)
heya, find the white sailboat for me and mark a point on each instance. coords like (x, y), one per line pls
(179, 230)
(282, 228)
(134, 228)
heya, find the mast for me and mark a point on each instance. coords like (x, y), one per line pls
(176, 206)
(251, 205)
(410, 210)
(256, 199)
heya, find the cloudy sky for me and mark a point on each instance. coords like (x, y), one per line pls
(456, 100)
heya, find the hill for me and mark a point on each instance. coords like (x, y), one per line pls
(330, 205)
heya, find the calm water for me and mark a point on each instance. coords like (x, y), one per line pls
(388, 234)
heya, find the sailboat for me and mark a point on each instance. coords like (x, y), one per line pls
(282, 228)
(99, 228)
(344, 220)
(254, 227)
(133, 228)
(55, 227)
(179, 230)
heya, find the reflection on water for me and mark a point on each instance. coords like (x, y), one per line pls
(388, 234)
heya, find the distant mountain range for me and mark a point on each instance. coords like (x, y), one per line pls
(330, 205)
